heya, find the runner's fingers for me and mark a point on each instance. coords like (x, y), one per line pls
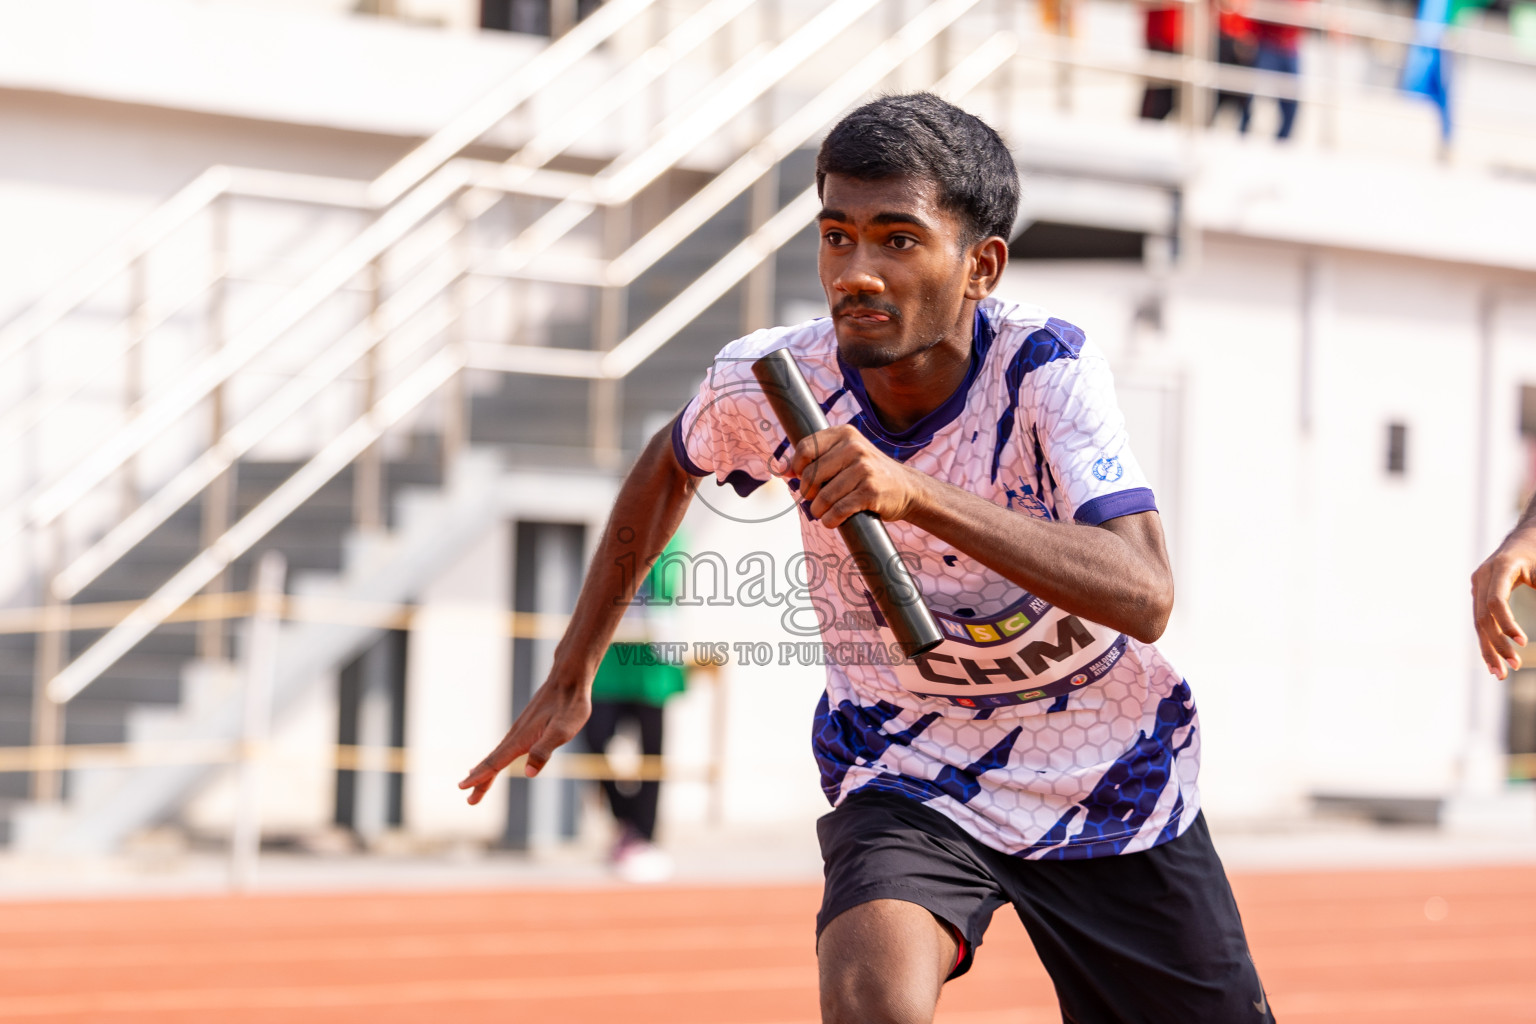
(478, 781)
(1496, 648)
(803, 453)
(486, 769)
(845, 495)
(1491, 657)
(1504, 648)
(823, 470)
(542, 750)
(849, 505)
(837, 489)
(812, 448)
(1498, 606)
(1492, 584)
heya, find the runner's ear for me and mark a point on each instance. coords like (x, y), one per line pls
(985, 263)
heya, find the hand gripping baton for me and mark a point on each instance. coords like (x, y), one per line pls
(892, 586)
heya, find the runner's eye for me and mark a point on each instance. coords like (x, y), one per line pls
(835, 237)
(902, 242)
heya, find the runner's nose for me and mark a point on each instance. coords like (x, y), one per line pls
(857, 277)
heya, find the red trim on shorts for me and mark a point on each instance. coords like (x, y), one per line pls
(960, 949)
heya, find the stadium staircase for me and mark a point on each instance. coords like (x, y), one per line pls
(428, 342)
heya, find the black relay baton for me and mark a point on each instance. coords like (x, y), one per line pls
(894, 590)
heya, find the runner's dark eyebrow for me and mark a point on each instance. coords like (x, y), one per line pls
(889, 217)
(900, 218)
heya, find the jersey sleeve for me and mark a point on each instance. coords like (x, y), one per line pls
(1080, 433)
(728, 428)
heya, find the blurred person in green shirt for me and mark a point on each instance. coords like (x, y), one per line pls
(631, 687)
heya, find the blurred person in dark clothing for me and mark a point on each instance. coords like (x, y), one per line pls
(1165, 34)
(1236, 44)
(631, 687)
(1278, 48)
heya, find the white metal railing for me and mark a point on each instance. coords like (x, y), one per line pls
(286, 402)
(335, 360)
(432, 177)
(618, 183)
(338, 453)
(46, 501)
(558, 57)
(622, 180)
(332, 458)
(786, 137)
(226, 182)
(1336, 19)
(332, 363)
(402, 186)
(1330, 18)
(411, 170)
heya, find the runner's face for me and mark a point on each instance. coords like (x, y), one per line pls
(893, 267)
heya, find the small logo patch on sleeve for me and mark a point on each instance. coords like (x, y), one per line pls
(1108, 469)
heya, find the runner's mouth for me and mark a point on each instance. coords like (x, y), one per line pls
(867, 316)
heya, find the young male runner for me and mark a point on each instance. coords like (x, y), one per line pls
(1045, 755)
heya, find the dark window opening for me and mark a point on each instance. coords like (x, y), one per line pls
(1520, 723)
(1528, 410)
(1520, 696)
(1527, 445)
(547, 568)
(1045, 240)
(1397, 448)
(533, 17)
(371, 714)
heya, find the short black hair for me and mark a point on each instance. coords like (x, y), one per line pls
(922, 135)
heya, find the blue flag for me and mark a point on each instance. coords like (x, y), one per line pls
(1425, 72)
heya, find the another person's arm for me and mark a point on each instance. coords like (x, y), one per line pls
(1512, 564)
(649, 507)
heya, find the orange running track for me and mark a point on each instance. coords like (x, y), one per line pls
(1402, 946)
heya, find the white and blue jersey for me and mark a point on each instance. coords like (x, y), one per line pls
(1041, 733)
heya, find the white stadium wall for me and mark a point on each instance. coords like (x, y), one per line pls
(1321, 614)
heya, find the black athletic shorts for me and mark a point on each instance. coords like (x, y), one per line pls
(1140, 937)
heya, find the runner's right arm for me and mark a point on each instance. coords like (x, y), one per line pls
(1512, 564)
(646, 514)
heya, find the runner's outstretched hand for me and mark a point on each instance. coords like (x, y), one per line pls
(1511, 565)
(556, 713)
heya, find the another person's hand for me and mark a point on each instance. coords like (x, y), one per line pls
(1513, 564)
(841, 473)
(553, 716)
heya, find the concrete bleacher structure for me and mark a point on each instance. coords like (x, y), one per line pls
(1271, 311)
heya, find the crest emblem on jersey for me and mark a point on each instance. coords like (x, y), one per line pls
(1108, 469)
(1079, 679)
(1024, 500)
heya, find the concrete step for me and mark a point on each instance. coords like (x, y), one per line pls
(151, 680)
(435, 526)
